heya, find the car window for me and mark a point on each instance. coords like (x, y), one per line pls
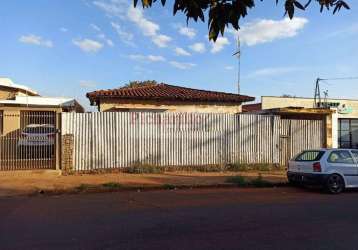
(340, 156)
(312, 155)
(355, 154)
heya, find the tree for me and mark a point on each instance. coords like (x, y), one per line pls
(221, 13)
(135, 84)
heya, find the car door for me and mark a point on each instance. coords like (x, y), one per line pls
(342, 161)
(355, 156)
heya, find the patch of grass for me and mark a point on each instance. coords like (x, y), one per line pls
(141, 168)
(168, 186)
(83, 187)
(241, 181)
(112, 185)
(238, 180)
(238, 167)
(260, 182)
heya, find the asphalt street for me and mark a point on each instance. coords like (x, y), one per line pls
(227, 218)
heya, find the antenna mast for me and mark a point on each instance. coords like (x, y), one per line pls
(239, 63)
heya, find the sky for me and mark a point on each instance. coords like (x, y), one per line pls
(71, 47)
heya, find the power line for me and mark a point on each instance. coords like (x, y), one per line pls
(339, 78)
(317, 94)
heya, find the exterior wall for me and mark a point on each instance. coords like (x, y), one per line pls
(171, 106)
(11, 116)
(5, 94)
(9, 93)
(271, 102)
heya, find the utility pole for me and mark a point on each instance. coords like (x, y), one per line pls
(317, 95)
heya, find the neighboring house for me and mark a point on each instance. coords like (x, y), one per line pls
(344, 118)
(166, 98)
(20, 106)
(8, 89)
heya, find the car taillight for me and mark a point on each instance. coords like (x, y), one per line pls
(317, 167)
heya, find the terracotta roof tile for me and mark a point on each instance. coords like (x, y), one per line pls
(252, 107)
(166, 92)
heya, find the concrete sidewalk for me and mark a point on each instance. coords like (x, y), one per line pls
(31, 182)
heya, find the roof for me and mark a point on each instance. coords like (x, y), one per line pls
(166, 92)
(8, 83)
(41, 101)
(299, 110)
(252, 107)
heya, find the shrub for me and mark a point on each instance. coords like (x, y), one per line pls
(140, 168)
(112, 185)
(260, 182)
(169, 186)
(238, 180)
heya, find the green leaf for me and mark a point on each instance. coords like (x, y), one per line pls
(298, 5)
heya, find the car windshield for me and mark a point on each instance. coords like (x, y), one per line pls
(39, 130)
(312, 155)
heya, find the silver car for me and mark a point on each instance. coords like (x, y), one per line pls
(334, 169)
(37, 141)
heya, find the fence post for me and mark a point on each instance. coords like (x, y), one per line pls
(58, 140)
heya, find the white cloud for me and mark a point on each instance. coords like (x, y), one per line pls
(219, 45)
(125, 36)
(267, 30)
(181, 65)
(148, 58)
(87, 84)
(95, 27)
(198, 47)
(188, 32)
(116, 8)
(161, 40)
(229, 67)
(156, 58)
(126, 11)
(181, 52)
(63, 29)
(88, 45)
(36, 40)
(147, 27)
(103, 37)
(273, 71)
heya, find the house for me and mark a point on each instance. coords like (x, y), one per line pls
(166, 98)
(342, 122)
(20, 106)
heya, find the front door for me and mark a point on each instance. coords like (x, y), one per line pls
(343, 162)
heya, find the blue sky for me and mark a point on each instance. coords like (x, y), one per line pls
(70, 47)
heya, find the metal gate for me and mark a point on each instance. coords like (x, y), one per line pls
(28, 140)
(298, 135)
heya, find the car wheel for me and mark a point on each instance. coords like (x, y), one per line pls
(335, 184)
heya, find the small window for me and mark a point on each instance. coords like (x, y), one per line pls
(313, 155)
(340, 156)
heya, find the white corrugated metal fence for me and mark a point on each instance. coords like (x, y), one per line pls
(116, 140)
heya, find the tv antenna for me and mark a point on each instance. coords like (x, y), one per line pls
(238, 55)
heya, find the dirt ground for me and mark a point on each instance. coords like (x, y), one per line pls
(28, 182)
